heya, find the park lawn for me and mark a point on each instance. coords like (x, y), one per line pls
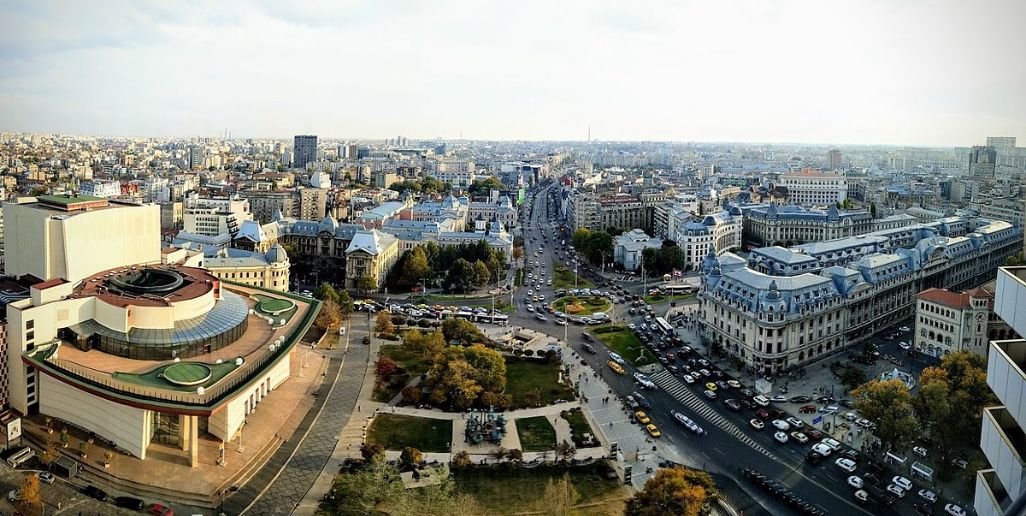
(518, 279)
(588, 304)
(509, 491)
(412, 365)
(659, 298)
(536, 434)
(562, 277)
(578, 425)
(396, 431)
(623, 341)
(534, 383)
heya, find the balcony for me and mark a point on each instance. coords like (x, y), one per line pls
(1004, 444)
(1010, 299)
(991, 498)
(1005, 363)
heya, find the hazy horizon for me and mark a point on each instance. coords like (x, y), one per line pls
(925, 74)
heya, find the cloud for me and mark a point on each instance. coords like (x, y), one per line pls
(794, 70)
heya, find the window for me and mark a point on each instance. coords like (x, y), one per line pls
(30, 324)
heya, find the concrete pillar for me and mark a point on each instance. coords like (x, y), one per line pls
(183, 429)
(193, 441)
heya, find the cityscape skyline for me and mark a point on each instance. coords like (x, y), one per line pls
(917, 75)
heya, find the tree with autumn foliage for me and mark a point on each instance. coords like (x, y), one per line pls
(888, 405)
(383, 323)
(675, 490)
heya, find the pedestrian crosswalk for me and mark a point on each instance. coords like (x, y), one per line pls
(699, 407)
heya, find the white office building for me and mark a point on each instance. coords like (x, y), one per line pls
(814, 188)
(215, 216)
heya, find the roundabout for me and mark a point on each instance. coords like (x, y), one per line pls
(582, 305)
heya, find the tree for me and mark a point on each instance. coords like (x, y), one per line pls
(518, 253)
(29, 491)
(565, 451)
(371, 451)
(852, 377)
(363, 491)
(345, 303)
(482, 275)
(888, 404)
(329, 316)
(515, 455)
(460, 375)
(461, 460)
(50, 452)
(872, 209)
(416, 267)
(410, 458)
(559, 497)
(673, 491)
(580, 238)
(426, 344)
(385, 367)
(383, 323)
(460, 276)
(366, 284)
(462, 331)
(326, 292)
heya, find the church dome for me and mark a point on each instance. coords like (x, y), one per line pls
(277, 254)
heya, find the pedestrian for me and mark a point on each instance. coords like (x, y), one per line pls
(358, 409)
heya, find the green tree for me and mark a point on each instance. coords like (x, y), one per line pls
(416, 267)
(371, 451)
(345, 303)
(580, 238)
(364, 491)
(680, 491)
(872, 210)
(461, 374)
(326, 292)
(851, 377)
(366, 284)
(460, 276)
(462, 331)
(425, 344)
(888, 404)
(481, 274)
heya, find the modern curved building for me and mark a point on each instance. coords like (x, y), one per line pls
(142, 352)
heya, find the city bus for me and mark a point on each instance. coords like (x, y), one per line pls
(20, 457)
(674, 290)
(663, 326)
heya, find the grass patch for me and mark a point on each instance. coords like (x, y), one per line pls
(659, 298)
(518, 279)
(536, 434)
(509, 491)
(534, 383)
(574, 305)
(411, 365)
(562, 277)
(395, 432)
(267, 306)
(578, 427)
(155, 376)
(623, 341)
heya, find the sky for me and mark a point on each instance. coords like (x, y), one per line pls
(900, 72)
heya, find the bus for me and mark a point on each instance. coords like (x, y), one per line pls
(674, 290)
(663, 326)
(20, 457)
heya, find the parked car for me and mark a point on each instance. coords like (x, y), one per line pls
(642, 417)
(822, 449)
(800, 437)
(94, 492)
(927, 495)
(710, 394)
(845, 464)
(902, 482)
(781, 437)
(757, 424)
(855, 482)
(589, 348)
(954, 510)
(861, 496)
(896, 490)
(781, 425)
(129, 502)
(46, 477)
(733, 404)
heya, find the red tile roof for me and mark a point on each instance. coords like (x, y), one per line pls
(945, 297)
(49, 283)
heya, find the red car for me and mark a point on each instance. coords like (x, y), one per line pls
(159, 509)
(762, 414)
(808, 409)
(813, 434)
(670, 356)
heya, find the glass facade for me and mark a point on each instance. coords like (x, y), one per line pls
(223, 325)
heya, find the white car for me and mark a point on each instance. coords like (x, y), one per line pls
(800, 437)
(855, 482)
(761, 401)
(710, 394)
(904, 345)
(904, 328)
(954, 510)
(781, 437)
(896, 490)
(46, 477)
(920, 451)
(781, 425)
(530, 308)
(902, 482)
(757, 424)
(927, 495)
(689, 379)
(615, 357)
(795, 422)
(541, 317)
(640, 378)
(561, 322)
(831, 443)
(845, 464)
(822, 449)
(632, 326)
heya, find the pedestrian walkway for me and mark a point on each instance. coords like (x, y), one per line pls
(699, 407)
(282, 483)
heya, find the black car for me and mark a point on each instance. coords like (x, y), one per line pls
(800, 399)
(641, 400)
(813, 458)
(733, 404)
(94, 492)
(589, 348)
(129, 502)
(366, 340)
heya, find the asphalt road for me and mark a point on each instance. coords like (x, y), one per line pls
(731, 442)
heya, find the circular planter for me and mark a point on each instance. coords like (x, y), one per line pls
(187, 373)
